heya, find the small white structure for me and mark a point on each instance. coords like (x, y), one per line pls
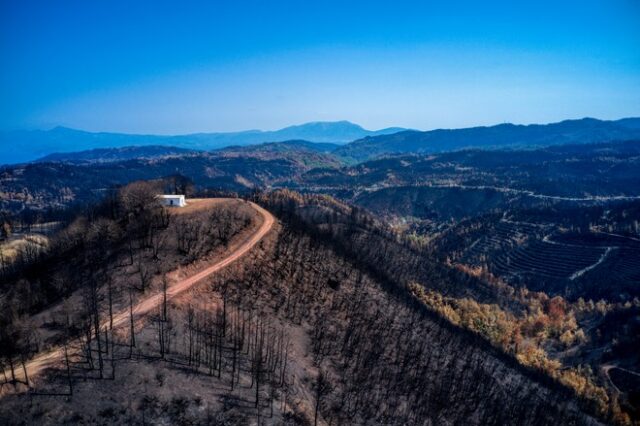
(172, 200)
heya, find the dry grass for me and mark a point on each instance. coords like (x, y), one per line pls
(10, 249)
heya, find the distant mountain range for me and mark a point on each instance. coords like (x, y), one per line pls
(23, 146)
(346, 142)
(586, 130)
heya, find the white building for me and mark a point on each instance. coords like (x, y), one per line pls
(172, 200)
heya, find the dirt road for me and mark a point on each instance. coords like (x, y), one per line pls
(49, 359)
(147, 305)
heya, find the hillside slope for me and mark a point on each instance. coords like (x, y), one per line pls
(294, 334)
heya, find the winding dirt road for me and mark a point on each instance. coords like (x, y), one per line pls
(49, 359)
(147, 305)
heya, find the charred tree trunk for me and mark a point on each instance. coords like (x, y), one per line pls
(132, 329)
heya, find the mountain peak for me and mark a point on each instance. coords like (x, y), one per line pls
(342, 124)
(64, 129)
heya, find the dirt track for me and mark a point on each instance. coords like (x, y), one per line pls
(56, 355)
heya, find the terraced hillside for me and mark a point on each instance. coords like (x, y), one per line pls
(548, 260)
(506, 236)
(543, 257)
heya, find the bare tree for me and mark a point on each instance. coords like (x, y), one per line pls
(132, 329)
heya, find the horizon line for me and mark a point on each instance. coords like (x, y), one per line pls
(195, 133)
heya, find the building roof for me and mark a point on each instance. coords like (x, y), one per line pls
(170, 196)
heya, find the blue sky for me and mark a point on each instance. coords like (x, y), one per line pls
(179, 67)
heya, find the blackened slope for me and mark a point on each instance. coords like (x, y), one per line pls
(389, 359)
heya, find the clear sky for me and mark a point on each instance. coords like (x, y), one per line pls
(185, 66)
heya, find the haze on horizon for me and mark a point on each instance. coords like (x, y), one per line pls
(167, 68)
